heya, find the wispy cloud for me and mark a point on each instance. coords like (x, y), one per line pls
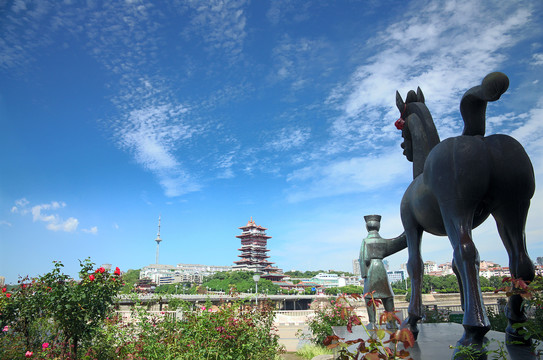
(221, 24)
(352, 175)
(152, 134)
(445, 49)
(301, 62)
(5, 223)
(289, 138)
(47, 213)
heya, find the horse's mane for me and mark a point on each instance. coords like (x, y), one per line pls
(423, 133)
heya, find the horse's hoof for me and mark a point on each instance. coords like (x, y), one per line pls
(411, 325)
(474, 335)
(512, 337)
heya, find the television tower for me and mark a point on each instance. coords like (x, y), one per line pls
(158, 239)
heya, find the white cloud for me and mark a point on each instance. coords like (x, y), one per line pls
(47, 213)
(93, 230)
(69, 225)
(20, 206)
(537, 59)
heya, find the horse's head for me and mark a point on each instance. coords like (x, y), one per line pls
(418, 129)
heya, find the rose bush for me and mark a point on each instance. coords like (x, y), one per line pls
(56, 310)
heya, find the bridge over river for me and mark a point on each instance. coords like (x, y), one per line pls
(156, 302)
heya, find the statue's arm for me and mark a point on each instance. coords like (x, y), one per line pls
(396, 244)
(362, 262)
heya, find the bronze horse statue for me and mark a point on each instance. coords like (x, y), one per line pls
(457, 184)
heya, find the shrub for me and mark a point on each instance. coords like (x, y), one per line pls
(336, 314)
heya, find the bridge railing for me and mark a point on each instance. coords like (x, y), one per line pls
(301, 316)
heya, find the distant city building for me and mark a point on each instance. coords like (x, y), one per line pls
(202, 269)
(2, 281)
(352, 280)
(445, 269)
(161, 274)
(329, 280)
(430, 267)
(356, 267)
(254, 250)
(487, 269)
(397, 275)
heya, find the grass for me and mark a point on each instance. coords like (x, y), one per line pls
(309, 351)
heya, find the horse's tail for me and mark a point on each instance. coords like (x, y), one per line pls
(474, 101)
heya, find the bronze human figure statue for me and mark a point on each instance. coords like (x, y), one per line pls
(372, 252)
(457, 184)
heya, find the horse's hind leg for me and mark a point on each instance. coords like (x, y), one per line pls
(458, 221)
(459, 279)
(511, 220)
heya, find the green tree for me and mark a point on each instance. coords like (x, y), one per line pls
(130, 278)
(242, 281)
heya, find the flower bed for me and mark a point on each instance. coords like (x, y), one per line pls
(54, 317)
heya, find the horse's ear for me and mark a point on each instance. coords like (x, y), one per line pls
(420, 95)
(399, 102)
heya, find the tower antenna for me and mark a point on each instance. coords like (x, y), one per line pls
(158, 239)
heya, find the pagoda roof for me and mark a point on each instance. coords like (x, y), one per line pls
(252, 224)
(247, 235)
(247, 247)
(253, 255)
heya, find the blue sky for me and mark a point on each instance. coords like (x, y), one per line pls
(207, 113)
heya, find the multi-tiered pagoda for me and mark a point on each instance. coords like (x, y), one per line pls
(254, 250)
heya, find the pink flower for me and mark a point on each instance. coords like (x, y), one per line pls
(6, 328)
(45, 346)
(91, 277)
(29, 354)
(117, 271)
(203, 307)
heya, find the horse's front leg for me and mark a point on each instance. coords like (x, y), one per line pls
(415, 269)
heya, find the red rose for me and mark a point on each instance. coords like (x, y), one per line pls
(117, 271)
(4, 290)
(91, 277)
(100, 270)
(8, 295)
